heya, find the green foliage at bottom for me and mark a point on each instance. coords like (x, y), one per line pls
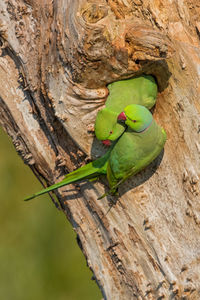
(39, 255)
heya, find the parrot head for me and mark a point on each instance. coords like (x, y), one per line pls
(106, 126)
(137, 117)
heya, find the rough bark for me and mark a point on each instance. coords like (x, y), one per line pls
(56, 59)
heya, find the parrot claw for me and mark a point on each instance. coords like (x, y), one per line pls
(102, 196)
(110, 192)
(93, 179)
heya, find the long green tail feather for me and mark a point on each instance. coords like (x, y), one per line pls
(88, 171)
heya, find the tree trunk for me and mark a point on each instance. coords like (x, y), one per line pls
(56, 59)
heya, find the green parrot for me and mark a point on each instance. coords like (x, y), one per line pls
(139, 145)
(140, 90)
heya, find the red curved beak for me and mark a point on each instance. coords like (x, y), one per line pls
(121, 117)
(106, 143)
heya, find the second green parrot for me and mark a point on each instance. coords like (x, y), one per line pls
(140, 90)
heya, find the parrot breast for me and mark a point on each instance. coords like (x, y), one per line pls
(141, 149)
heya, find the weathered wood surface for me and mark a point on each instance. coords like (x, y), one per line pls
(56, 59)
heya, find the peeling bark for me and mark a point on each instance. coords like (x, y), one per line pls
(56, 59)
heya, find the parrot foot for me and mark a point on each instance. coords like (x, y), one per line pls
(109, 193)
(93, 179)
(113, 191)
(102, 196)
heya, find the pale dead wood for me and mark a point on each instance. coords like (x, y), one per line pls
(57, 58)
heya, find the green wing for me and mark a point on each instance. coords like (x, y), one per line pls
(133, 152)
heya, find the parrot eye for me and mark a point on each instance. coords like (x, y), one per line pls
(134, 121)
(111, 132)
